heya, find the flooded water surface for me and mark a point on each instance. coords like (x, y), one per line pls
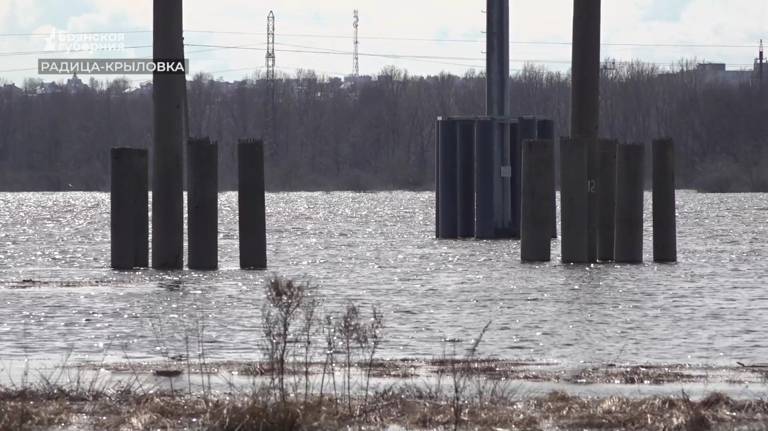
(58, 295)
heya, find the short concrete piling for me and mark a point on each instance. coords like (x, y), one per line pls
(448, 179)
(546, 131)
(630, 169)
(537, 188)
(129, 208)
(251, 203)
(526, 129)
(437, 179)
(484, 179)
(606, 199)
(574, 190)
(466, 178)
(664, 223)
(202, 204)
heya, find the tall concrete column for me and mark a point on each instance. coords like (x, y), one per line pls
(630, 181)
(129, 206)
(538, 186)
(497, 58)
(251, 204)
(664, 218)
(585, 101)
(466, 178)
(202, 204)
(168, 95)
(606, 212)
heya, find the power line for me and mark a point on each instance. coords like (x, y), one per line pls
(325, 51)
(411, 39)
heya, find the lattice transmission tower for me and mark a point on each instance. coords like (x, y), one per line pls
(271, 63)
(356, 53)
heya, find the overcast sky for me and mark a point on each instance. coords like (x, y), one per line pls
(447, 35)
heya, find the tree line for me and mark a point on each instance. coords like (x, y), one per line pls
(376, 133)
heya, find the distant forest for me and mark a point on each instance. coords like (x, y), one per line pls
(375, 133)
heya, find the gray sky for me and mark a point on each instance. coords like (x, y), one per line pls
(432, 35)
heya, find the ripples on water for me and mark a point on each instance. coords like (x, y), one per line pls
(57, 293)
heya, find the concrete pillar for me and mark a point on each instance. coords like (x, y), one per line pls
(202, 204)
(448, 179)
(664, 218)
(129, 204)
(606, 197)
(538, 186)
(484, 180)
(167, 171)
(585, 90)
(574, 191)
(251, 204)
(497, 58)
(546, 131)
(437, 179)
(585, 100)
(466, 178)
(503, 169)
(515, 180)
(630, 169)
(526, 129)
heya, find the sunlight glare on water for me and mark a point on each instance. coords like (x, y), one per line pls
(57, 293)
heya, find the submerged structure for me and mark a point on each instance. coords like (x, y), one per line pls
(495, 173)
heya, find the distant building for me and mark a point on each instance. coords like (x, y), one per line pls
(74, 84)
(11, 89)
(717, 72)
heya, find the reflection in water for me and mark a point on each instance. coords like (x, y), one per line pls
(57, 293)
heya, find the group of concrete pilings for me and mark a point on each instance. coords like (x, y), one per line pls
(495, 179)
(478, 192)
(130, 206)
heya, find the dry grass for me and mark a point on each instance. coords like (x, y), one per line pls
(409, 407)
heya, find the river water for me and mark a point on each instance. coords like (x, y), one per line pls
(58, 296)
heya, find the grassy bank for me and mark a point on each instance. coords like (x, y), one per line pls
(321, 372)
(409, 407)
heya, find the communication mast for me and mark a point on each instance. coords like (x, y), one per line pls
(271, 90)
(271, 46)
(760, 66)
(356, 58)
